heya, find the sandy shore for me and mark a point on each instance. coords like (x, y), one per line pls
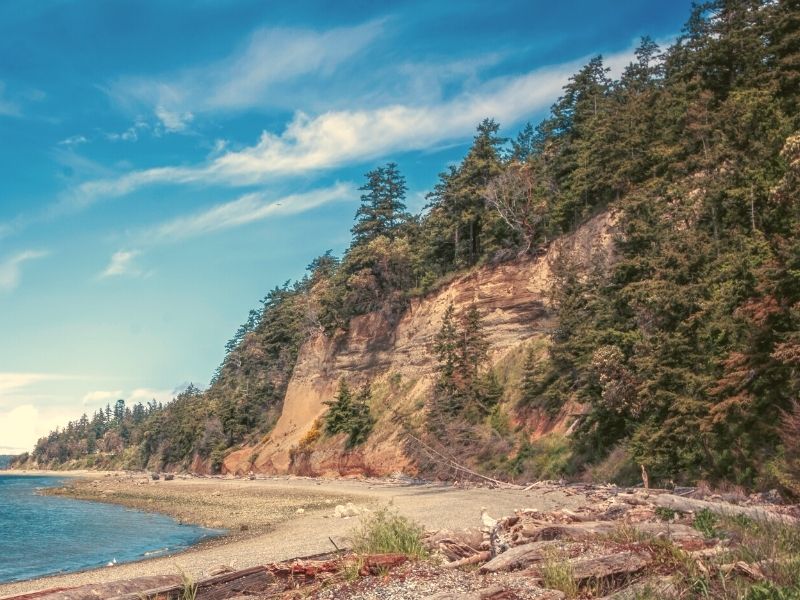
(275, 519)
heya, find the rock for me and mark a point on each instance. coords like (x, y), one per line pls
(300, 511)
(155, 476)
(169, 476)
(345, 511)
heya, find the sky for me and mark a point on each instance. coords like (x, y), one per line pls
(163, 164)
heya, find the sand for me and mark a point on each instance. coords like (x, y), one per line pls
(278, 518)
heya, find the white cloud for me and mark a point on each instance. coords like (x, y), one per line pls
(11, 268)
(247, 77)
(21, 426)
(145, 395)
(336, 138)
(131, 134)
(244, 210)
(100, 396)
(173, 120)
(14, 381)
(74, 140)
(122, 263)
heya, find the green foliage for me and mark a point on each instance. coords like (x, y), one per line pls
(463, 387)
(350, 415)
(770, 591)
(664, 513)
(385, 531)
(547, 458)
(706, 522)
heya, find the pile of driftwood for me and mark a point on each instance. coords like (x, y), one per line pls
(607, 547)
(272, 580)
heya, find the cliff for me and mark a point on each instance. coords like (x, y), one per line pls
(396, 359)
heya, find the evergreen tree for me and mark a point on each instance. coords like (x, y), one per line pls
(350, 415)
(383, 210)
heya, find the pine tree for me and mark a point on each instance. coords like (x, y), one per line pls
(383, 210)
(446, 346)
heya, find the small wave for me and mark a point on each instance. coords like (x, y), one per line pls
(156, 552)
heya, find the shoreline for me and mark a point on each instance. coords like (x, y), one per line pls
(285, 517)
(84, 473)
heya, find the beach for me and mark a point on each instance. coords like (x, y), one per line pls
(276, 518)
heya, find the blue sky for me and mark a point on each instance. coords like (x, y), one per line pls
(163, 164)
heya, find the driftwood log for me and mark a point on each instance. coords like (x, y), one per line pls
(475, 559)
(681, 504)
(609, 566)
(96, 591)
(518, 557)
(272, 578)
(588, 530)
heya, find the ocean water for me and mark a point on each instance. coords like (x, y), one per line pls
(45, 535)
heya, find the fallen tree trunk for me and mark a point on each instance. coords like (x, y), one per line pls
(757, 513)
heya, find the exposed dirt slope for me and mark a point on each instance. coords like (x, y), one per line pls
(397, 360)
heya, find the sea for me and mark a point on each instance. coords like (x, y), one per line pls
(48, 535)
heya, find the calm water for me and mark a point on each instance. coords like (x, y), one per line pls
(43, 535)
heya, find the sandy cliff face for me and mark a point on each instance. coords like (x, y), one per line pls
(397, 360)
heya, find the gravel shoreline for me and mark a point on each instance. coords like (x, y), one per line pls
(274, 519)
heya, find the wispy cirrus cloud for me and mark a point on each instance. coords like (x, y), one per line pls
(337, 138)
(243, 211)
(122, 263)
(245, 78)
(11, 268)
(246, 209)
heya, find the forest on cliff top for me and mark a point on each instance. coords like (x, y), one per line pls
(685, 351)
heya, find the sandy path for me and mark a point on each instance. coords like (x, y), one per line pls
(301, 534)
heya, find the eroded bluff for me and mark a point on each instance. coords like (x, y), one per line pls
(397, 360)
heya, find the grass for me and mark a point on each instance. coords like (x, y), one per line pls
(557, 574)
(189, 587)
(384, 531)
(352, 569)
(705, 522)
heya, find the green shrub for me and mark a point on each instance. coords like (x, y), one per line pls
(664, 513)
(384, 531)
(705, 522)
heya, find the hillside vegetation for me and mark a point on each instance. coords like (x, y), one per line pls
(684, 352)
